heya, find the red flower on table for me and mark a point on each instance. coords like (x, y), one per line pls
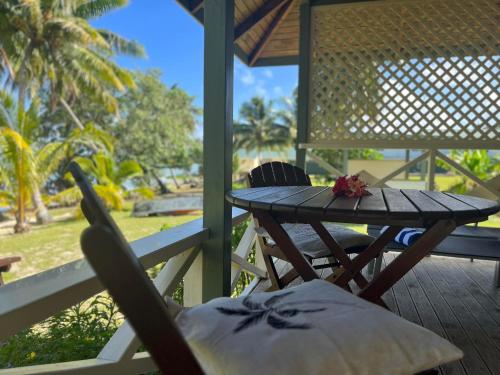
(341, 186)
(351, 187)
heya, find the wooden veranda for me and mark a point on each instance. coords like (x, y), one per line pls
(453, 297)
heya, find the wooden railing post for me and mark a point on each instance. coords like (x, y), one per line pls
(303, 88)
(193, 283)
(217, 145)
(432, 170)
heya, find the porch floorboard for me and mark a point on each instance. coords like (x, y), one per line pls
(452, 297)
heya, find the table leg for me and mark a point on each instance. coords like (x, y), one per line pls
(407, 260)
(339, 253)
(371, 252)
(285, 243)
(351, 269)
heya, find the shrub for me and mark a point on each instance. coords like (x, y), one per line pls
(79, 332)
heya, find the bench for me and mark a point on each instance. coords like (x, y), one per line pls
(464, 242)
(6, 264)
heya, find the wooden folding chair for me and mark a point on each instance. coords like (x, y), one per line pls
(111, 257)
(283, 174)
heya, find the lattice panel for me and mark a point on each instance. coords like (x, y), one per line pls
(399, 74)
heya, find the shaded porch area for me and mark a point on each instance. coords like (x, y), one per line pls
(452, 297)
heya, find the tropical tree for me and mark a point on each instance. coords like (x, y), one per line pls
(156, 126)
(26, 162)
(110, 180)
(258, 128)
(23, 165)
(49, 44)
(54, 44)
(289, 112)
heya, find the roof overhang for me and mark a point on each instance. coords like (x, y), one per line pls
(266, 31)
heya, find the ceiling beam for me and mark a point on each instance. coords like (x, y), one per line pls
(195, 5)
(280, 16)
(255, 17)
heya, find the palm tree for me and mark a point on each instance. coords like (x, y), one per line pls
(288, 114)
(54, 44)
(258, 129)
(50, 44)
(110, 180)
(22, 164)
(26, 163)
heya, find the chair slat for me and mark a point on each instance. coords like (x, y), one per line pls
(302, 177)
(279, 173)
(291, 178)
(267, 171)
(257, 177)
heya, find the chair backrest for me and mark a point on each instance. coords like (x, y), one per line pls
(122, 274)
(277, 173)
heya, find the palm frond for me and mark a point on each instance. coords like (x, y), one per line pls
(111, 196)
(97, 8)
(126, 170)
(49, 158)
(123, 46)
(143, 191)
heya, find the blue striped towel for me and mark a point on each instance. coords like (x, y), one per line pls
(406, 237)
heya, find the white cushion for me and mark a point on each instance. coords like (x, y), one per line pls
(308, 242)
(314, 328)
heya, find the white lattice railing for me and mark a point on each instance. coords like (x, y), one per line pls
(405, 74)
(35, 298)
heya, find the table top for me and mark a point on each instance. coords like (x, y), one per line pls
(393, 206)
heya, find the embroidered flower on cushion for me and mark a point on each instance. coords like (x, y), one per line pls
(274, 310)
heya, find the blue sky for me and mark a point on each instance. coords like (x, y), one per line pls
(174, 43)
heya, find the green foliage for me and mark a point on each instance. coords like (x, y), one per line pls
(51, 45)
(259, 128)
(478, 162)
(156, 124)
(79, 332)
(110, 179)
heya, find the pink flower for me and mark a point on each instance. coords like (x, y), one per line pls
(341, 186)
(351, 186)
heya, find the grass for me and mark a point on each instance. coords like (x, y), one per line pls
(52, 245)
(443, 182)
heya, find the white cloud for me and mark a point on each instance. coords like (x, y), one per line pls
(261, 90)
(268, 73)
(247, 78)
(278, 91)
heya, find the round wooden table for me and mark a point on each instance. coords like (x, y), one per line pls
(438, 213)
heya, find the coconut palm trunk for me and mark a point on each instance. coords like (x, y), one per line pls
(43, 215)
(21, 221)
(172, 174)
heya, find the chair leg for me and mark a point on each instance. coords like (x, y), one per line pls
(378, 264)
(334, 263)
(371, 266)
(271, 271)
(497, 275)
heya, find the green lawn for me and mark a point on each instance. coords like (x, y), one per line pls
(443, 182)
(48, 246)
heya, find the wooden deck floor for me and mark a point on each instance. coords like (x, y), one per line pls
(453, 298)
